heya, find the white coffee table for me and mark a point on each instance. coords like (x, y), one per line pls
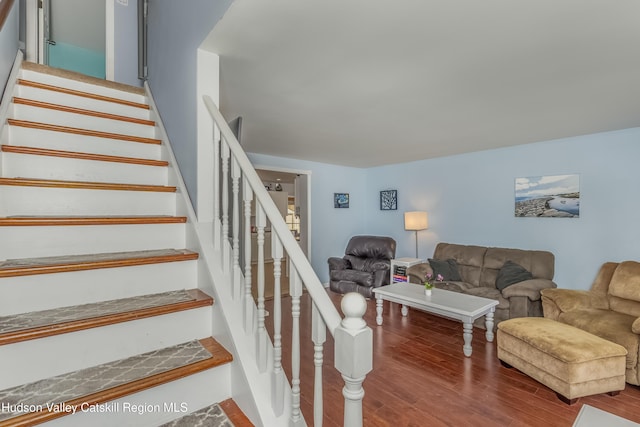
(453, 305)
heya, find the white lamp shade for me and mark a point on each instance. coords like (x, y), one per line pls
(416, 221)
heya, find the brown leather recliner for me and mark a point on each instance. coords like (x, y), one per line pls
(365, 265)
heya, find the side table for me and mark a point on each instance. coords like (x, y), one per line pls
(399, 266)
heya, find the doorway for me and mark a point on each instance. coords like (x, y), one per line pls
(70, 34)
(290, 190)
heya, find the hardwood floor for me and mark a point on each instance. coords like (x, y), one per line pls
(421, 378)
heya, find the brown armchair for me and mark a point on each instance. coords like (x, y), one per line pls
(364, 266)
(610, 309)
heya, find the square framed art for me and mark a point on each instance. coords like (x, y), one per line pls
(341, 200)
(389, 200)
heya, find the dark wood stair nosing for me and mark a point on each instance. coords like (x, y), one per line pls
(75, 110)
(200, 300)
(19, 149)
(219, 357)
(95, 265)
(28, 221)
(86, 185)
(38, 85)
(84, 132)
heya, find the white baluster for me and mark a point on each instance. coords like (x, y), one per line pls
(217, 238)
(247, 195)
(353, 355)
(295, 290)
(319, 336)
(226, 255)
(235, 187)
(277, 381)
(261, 345)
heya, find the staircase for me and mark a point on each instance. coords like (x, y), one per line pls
(118, 305)
(105, 318)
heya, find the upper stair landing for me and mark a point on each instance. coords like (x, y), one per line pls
(72, 80)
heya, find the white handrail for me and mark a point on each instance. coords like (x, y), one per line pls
(309, 278)
(353, 339)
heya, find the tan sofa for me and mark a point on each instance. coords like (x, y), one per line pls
(479, 267)
(610, 309)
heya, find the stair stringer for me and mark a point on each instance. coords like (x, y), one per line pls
(252, 397)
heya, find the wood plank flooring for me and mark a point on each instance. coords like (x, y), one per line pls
(421, 378)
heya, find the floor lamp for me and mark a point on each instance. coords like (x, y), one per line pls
(416, 221)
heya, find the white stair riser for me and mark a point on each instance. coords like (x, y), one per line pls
(70, 100)
(69, 169)
(17, 200)
(18, 135)
(42, 241)
(91, 347)
(195, 391)
(82, 121)
(81, 86)
(45, 291)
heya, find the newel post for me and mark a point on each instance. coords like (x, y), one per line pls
(353, 355)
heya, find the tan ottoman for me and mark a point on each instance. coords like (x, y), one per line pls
(568, 360)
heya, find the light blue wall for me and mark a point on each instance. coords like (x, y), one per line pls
(330, 228)
(125, 44)
(470, 200)
(79, 59)
(8, 45)
(175, 30)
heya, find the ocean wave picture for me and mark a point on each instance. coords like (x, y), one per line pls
(550, 196)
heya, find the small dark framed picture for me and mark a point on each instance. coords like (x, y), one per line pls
(389, 200)
(340, 200)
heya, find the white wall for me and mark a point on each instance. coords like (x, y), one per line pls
(8, 44)
(175, 30)
(470, 200)
(330, 228)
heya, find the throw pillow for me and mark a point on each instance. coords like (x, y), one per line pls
(511, 273)
(448, 268)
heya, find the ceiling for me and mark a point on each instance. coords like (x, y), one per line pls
(371, 82)
(276, 176)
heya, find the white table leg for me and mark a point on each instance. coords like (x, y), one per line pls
(467, 334)
(489, 325)
(404, 310)
(379, 311)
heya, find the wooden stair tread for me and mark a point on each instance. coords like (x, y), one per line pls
(88, 220)
(60, 264)
(75, 110)
(75, 92)
(108, 382)
(56, 183)
(62, 320)
(235, 414)
(82, 156)
(74, 75)
(80, 131)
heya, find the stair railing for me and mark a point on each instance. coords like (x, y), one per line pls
(235, 179)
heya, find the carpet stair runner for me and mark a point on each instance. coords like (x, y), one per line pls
(77, 391)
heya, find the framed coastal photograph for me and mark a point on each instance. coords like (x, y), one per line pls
(389, 200)
(340, 200)
(548, 196)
